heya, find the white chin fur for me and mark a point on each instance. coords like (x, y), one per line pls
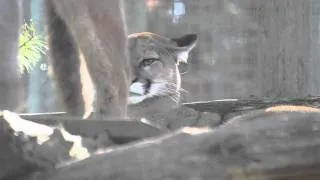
(137, 88)
(136, 99)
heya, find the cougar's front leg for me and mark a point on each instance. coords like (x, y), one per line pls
(64, 59)
(99, 30)
(109, 70)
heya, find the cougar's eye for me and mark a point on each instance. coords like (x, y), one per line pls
(148, 62)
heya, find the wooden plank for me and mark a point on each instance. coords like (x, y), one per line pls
(26, 115)
(121, 131)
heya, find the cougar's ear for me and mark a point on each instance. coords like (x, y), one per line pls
(184, 45)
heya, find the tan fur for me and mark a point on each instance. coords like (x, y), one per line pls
(142, 45)
(90, 63)
(88, 91)
(157, 83)
(89, 37)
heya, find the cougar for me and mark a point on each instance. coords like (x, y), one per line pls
(156, 81)
(94, 61)
(92, 31)
(156, 84)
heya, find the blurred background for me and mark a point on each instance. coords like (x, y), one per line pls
(262, 48)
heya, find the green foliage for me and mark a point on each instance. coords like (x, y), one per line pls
(31, 46)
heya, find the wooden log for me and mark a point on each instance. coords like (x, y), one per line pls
(264, 145)
(234, 105)
(28, 147)
(119, 130)
(15, 161)
(226, 106)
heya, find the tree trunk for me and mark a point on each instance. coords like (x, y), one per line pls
(10, 85)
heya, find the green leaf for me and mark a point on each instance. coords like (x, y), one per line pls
(31, 46)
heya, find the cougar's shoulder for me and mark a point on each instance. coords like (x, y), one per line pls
(156, 84)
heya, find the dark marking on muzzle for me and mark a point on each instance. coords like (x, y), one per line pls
(147, 86)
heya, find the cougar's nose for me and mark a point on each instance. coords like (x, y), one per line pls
(134, 80)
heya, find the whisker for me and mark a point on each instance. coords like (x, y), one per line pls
(165, 88)
(174, 95)
(174, 85)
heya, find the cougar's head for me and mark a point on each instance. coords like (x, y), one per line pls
(154, 60)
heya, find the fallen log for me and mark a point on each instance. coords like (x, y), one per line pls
(16, 151)
(259, 145)
(264, 146)
(121, 131)
(28, 147)
(223, 107)
(188, 114)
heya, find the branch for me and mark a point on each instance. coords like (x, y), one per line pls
(226, 106)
